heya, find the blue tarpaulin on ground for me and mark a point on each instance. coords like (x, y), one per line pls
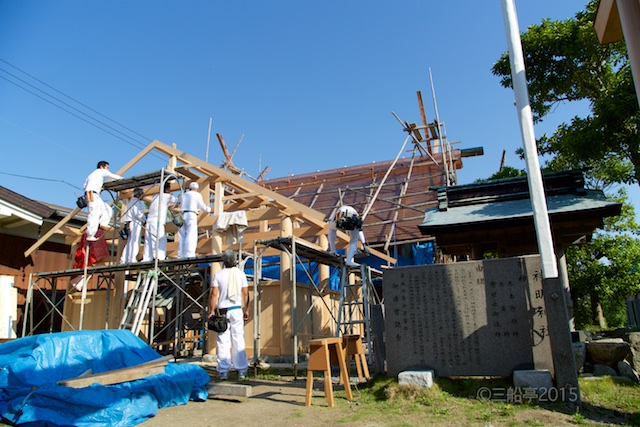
(30, 368)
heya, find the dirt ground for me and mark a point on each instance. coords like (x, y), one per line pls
(280, 403)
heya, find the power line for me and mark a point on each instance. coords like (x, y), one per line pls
(71, 98)
(42, 179)
(93, 121)
(134, 144)
(76, 101)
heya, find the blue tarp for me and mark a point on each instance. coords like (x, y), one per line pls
(30, 368)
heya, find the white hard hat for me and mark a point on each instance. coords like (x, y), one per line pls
(193, 186)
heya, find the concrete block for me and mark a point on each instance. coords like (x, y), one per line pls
(419, 378)
(533, 379)
(229, 389)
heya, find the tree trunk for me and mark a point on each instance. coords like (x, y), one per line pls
(597, 315)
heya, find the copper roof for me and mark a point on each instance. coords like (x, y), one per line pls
(399, 204)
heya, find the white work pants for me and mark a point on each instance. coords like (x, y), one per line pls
(188, 235)
(231, 344)
(154, 235)
(131, 249)
(354, 236)
(99, 214)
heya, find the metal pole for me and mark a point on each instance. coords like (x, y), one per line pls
(28, 309)
(206, 155)
(257, 278)
(536, 187)
(440, 136)
(85, 283)
(294, 304)
(558, 322)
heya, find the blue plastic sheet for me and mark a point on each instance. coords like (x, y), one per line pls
(30, 368)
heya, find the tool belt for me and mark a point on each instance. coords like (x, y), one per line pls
(218, 322)
(353, 222)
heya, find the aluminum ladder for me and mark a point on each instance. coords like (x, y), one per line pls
(354, 313)
(138, 301)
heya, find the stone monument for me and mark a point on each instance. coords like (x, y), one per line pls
(473, 318)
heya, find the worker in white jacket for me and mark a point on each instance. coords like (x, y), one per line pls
(191, 203)
(347, 219)
(155, 236)
(134, 219)
(99, 211)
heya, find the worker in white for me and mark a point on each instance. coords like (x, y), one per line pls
(191, 203)
(155, 237)
(230, 294)
(347, 219)
(99, 211)
(134, 219)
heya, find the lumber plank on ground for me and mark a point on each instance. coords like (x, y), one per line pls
(116, 376)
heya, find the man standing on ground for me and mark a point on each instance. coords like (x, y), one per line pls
(347, 219)
(230, 294)
(191, 203)
(134, 219)
(155, 237)
(99, 211)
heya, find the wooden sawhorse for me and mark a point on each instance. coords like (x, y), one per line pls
(352, 345)
(323, 353)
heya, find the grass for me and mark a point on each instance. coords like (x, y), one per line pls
(451, 402)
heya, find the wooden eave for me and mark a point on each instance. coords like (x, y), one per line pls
(607, 22)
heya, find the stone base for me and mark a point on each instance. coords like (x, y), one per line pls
(420, 378)
(537, 379)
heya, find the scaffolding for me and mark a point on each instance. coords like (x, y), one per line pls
(306, 255)
(176, 278)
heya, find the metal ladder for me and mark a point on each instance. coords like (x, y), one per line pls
(355, 307)
(138, 302)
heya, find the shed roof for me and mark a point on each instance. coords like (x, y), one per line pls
(497, 215)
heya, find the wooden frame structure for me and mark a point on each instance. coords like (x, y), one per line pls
(268, 214)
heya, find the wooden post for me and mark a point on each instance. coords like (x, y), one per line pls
(286, 292)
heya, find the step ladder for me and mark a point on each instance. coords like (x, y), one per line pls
(354, 313)
(138, 301)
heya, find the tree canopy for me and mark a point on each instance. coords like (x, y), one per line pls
(565, 62)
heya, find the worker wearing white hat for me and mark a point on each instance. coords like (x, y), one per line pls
(191, 203)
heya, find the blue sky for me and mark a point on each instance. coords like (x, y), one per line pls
(307, 85)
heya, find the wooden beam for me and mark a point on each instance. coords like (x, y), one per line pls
(310, 215)
(137, 157)
(51, 232)
(116, 376)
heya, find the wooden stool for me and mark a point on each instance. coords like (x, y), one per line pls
(352, 345)
(322, 353)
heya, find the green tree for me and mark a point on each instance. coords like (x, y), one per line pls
(605, 271)
(505, 172)
(565, 62)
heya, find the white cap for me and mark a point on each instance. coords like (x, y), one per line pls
(193, 186)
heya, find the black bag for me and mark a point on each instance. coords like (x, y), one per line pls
(81, 202)
(178, 220)
(349, 223)
(126, 231)
(218, 322)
